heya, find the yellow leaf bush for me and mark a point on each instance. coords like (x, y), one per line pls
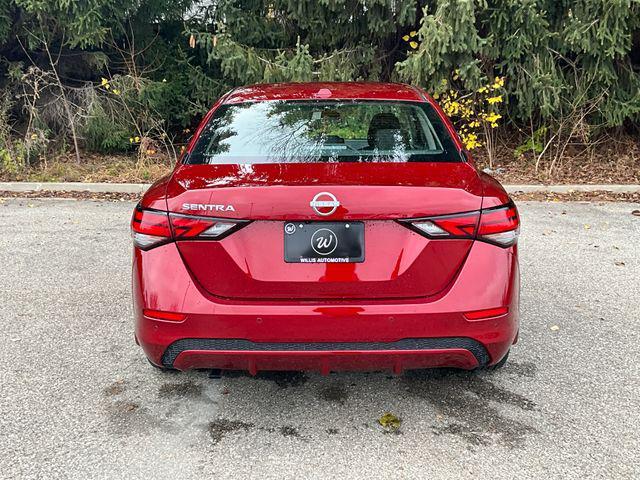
(472, 113)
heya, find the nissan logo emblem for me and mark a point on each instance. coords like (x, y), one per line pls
(324, 203)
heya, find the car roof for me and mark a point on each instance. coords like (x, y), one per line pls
(325, 91)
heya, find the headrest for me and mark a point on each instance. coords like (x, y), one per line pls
(388, 138)
(381, 121)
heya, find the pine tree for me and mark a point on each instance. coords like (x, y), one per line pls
(301, 40)
(562, 59)
(559, 57)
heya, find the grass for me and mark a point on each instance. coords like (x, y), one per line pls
(95, 168)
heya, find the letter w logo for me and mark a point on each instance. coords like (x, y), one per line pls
(323, 242)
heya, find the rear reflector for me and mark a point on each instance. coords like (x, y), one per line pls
(166, 316)
(488, 313)
(151, 228)
(499, 226)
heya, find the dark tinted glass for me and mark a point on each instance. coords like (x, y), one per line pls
(324, 131)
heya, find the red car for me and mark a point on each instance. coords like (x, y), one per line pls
(327, 227)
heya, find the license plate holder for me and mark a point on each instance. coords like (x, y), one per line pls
(324, 242)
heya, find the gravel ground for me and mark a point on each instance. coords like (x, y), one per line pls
(78, 400)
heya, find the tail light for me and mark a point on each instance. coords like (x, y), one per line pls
(191, 227)
(499, 226)
(448, 226)
(151, 228)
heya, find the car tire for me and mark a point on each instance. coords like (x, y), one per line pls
(501, 363)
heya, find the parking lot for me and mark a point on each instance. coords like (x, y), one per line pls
(79, 400)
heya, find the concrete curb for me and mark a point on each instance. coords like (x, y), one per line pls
(572, 188)
(74, 187)
(142, 187)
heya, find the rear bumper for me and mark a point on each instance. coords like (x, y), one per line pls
(402, 355)
(329, 336)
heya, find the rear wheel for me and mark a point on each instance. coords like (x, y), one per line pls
(501, 363)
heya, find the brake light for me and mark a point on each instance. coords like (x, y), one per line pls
(151, 228)
(499, 225)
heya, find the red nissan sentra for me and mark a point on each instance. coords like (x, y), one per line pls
(327, 227)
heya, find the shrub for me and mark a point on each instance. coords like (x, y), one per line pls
(104, 135)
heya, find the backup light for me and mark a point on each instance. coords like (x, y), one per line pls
(218, 229)
(431, 229)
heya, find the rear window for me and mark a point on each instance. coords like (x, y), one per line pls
(324, 131)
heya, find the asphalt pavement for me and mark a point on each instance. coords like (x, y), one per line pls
(78, 400)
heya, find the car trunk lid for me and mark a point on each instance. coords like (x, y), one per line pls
(399, 263)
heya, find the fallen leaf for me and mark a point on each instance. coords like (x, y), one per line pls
(555, 328)
(619, 264)
(587, 226)
(390, 421)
